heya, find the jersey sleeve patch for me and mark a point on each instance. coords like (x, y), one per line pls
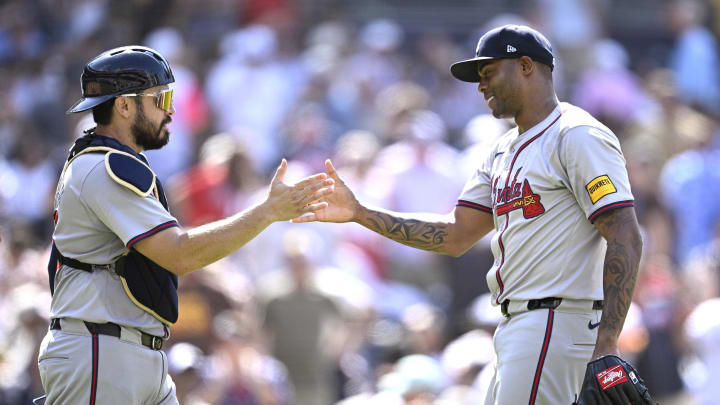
(130, 172)
(599, 187)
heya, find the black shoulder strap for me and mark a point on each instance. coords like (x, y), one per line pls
(53, 265)
(94, 139)
(161, 194)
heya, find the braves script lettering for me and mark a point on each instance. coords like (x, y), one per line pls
(519, 197)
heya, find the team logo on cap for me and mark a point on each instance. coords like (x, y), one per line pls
(511, 49)
(92, 89)
(599, 187)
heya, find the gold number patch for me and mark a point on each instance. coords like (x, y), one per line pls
(599, 187)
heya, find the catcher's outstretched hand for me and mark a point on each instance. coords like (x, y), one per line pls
(611, 380)
(285, 202)
(342, 205)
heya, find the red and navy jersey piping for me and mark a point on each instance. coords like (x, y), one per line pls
(507, 215)
(470, 204)
(94, 375)
(610, 207)
(163, 226)
(543, 356)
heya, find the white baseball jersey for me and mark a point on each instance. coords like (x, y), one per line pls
(544, 188)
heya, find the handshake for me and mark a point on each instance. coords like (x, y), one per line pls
(320, 197)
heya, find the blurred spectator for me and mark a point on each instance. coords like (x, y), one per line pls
(652, 344)
(308, 136)
(417, 378)
(394, 104)
(425, 325)
(703, 329)
(702, 272)
(478, 135)
(608, 89)
(689, 180)
(356, 154)
(29, 166)
(375, 65)
(465, 356)
(644, 163)
(45, 77)
(220, 184)
(20, 340)
(668, 126)
(250, 87)
(695, 55)
(572, 27)
(484, 318)
(419, 161)
(305, 328)
(185, 365)
(455, 101)
(462, 361)
(191, 111)
(22, 35)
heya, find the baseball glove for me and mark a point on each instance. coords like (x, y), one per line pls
(610, 380)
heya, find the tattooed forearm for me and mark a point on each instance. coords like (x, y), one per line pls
(412, 232)
(624, 247)
(619, 283)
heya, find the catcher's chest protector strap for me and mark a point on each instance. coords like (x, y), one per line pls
(147, 284)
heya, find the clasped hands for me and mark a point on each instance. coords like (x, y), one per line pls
(321, 197)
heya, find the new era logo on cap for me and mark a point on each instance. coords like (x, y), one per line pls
(496, 44)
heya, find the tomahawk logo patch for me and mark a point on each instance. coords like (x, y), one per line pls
(519, 196)
(611, 377)
(599, 187)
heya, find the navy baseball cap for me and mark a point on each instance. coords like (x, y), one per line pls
(508, 41)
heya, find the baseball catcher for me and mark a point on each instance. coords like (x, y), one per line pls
(611, 380)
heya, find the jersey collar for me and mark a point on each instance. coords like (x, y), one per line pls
(542, 125)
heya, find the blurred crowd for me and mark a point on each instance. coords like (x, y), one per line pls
(323, 314)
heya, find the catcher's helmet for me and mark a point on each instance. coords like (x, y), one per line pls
(121, 70)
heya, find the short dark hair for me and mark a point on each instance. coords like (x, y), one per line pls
(102, 113)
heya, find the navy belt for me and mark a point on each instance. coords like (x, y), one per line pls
(113, 329)
(544, 303)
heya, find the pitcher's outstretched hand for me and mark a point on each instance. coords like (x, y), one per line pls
(342, 206)
(290, 201)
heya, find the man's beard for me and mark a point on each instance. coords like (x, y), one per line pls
(146, 135)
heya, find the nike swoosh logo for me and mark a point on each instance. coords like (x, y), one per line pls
(592, 325)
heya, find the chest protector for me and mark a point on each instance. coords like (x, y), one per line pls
(148, 285)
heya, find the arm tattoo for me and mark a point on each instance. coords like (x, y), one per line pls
(624, 246)
(412, 232)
